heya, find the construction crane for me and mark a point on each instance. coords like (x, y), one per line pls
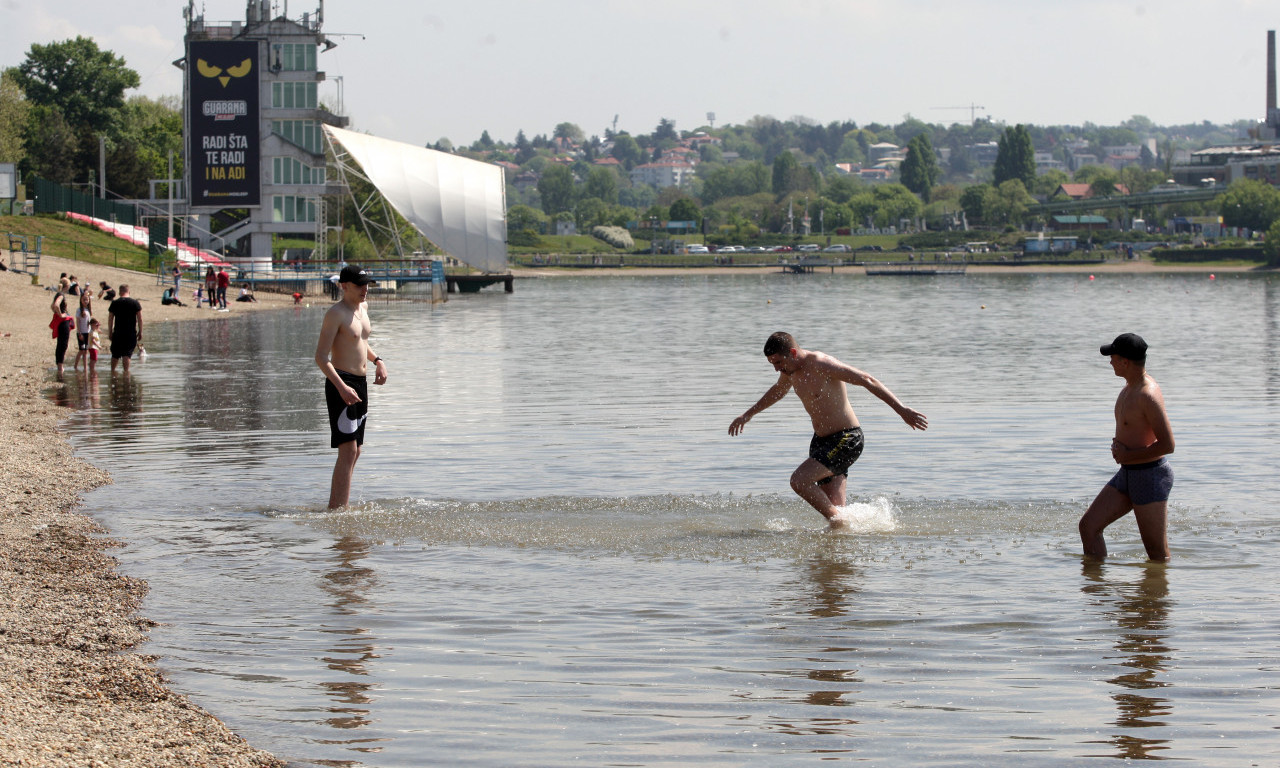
(973, 111)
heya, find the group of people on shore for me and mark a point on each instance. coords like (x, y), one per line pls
(1143, 435)
(124, 325)
(212, 290)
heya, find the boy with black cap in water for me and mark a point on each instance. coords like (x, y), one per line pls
(1143, 438)
(343, 354)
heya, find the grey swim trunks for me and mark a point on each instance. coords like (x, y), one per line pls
(1144, 483)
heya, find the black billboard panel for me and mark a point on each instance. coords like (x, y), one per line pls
(223, 152)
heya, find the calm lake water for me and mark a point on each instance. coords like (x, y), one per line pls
(558, 555)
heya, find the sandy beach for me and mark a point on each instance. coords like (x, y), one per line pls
(74, 690)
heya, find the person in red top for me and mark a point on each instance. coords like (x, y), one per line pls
(224, 281)
(61, 325)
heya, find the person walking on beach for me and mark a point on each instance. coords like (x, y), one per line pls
(343, 355)
(61, 325)
(224, 282)
(1143, 439)
(124, 328)
(819, 381)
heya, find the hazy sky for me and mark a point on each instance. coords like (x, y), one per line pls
(419, 71)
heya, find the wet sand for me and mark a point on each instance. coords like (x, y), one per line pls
(74, 691)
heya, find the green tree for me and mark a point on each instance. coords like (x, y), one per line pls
(569, 131)
(975, 201)
(1251, 204)
(51, 146)
(590, 212)
(601, 183)
(685, 209)
(556, 190)
(894, 203)
(841, 188)
(786, 173)
(522, 217)
(1009, 203)
(920, 171)
(627, 151)
(13, 119)
(148, 130)
(1271, 245)
(1015, 157)
(86, 84)
(666, 131)
(1048, 182)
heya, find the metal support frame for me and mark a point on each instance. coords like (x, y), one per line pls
(345, 165)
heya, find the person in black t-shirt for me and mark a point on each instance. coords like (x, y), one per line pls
(124, 327)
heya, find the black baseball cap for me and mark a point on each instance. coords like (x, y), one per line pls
(1130, 346)
(353, 274)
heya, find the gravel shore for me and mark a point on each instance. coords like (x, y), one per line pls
(74, 691)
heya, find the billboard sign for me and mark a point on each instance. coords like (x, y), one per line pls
(223, 151)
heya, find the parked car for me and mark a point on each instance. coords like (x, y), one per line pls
(698, 249)
(837, 248)
(807, 247)
(782, 249)
(904, 248)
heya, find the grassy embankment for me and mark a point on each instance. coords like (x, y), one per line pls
(74, 241)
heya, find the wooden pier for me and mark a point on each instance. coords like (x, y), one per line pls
(473, 283)
(808, 266)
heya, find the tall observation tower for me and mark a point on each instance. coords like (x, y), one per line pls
(255, 162)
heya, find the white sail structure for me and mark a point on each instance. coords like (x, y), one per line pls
(457, 203)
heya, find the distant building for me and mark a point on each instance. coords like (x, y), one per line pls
(984, 153)
(253, 126)
(1223, 165)
(879, 153)
(1083, 191)
(1078, 160)
(663, 173)
(1045, 161)
(1089, 223)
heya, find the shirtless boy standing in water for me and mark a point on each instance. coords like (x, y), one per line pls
(1143, 438)
(343, 354)
(819, 380)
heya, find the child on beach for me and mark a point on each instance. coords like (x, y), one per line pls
(84, 314)
(95, 343)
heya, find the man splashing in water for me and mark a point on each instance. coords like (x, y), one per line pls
(819, 380)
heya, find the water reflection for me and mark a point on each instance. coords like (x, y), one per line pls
(349, 583)
(1140, 610)
(826, 593)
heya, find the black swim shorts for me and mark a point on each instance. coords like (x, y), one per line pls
(1144, 483)
(837, 451)
(122, 344)
(346, 422)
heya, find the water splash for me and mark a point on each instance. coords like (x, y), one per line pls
(875, 516)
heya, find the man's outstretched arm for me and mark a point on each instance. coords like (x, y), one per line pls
(775, 393)
(851, 375)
